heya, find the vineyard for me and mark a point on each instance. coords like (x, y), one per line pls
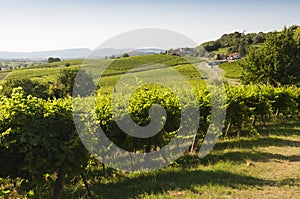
(41, 152)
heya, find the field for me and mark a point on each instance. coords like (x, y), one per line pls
(233, 70)
(50, 72)
(45, 71)
(221, 51)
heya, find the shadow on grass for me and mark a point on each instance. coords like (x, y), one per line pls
(235, 157)
(282, 128)
(158, 182)
(241, 157)
(250, 143)
(183, 177)
(276, 128)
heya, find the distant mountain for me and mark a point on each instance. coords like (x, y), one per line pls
(63, 54)
(78, 53)
(143, 51)
(107, 52)
(103, 52)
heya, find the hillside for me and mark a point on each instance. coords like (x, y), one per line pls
(49, 73)
(239, 42)
(225, 48)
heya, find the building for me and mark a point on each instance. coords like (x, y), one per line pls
(234, 56)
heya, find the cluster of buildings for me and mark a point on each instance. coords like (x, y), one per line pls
(182, 51)
(194, 52)
(229, 57)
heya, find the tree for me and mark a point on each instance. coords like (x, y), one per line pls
(125, 55)
(277, 63)
(30, 87)
(243, 47)
(52, 60)
(211, 46)
(66, 83)
(259, 38)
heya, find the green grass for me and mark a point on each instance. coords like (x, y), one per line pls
(221, 51)
(233, 70)
(259, 45)
(265, 166)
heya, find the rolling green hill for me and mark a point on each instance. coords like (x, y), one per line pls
(50, 72)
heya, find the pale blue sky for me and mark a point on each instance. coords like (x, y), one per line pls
(33, 25)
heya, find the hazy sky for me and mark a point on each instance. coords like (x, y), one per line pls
(33, 25)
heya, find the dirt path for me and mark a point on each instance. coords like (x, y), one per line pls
(4, 76)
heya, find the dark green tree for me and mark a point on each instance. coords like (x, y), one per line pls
(66, 83)
(125, 55)
(259, 38)
(30, 87)
(277, 63)
(52, 60)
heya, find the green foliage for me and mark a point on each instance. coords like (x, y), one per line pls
(141, 102)
(125, 55)
(211, 46)
(277, 62)
(38, 139)
(144, 98)
(247, 105)
(234, 42)
(47, 74)
(66, 82)
(233, 69)
(52, 60)
(259, 38)
(30, 87)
